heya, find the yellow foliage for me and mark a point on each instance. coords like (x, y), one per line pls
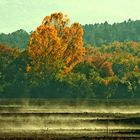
(28, 68)
(106, 82)
(54, 40)
(136, 69)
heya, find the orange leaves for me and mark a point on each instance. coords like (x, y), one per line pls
(28, 68)
(74, 52)
(5, 49)
(105, 82)
(102, 63)
(46, 20)
(100, 60)
(55, 41)
(136, 69)
(107, 68)
(42, 41)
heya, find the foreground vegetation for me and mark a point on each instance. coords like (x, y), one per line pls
(55, 64)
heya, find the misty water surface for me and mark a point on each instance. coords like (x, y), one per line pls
(87, 117)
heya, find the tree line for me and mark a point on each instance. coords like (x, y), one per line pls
(94, 34)
(105, 33)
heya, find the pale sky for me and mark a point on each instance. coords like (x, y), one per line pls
(28, 14)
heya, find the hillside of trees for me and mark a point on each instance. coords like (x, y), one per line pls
(94, 34)
(17, 39)
(104, 33)
(57, 63)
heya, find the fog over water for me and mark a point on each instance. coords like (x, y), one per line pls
(63, 116)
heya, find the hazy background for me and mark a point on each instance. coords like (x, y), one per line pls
(27, 14)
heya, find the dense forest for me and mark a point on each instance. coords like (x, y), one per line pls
(17, 39)
(66, 60)
(104, 33)
(96, 35)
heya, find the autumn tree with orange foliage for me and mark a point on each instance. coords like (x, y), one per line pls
(56, 45)
(100, 60)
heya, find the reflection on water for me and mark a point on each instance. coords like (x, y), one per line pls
(98, 117)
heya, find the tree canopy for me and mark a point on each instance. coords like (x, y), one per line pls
(55, 41)
(56, 64)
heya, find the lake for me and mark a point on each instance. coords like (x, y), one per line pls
(71, 119)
